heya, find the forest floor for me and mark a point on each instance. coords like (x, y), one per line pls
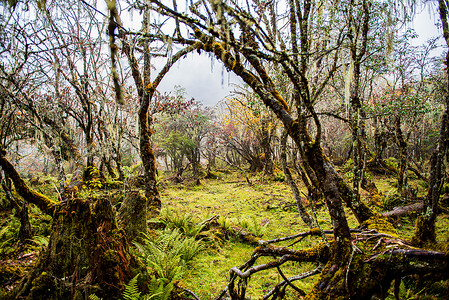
(268, 207)
(265, 208)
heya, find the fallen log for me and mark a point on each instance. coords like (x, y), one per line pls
(401, 211)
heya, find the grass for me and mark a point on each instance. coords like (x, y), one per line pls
(265, 207)
(270, 204)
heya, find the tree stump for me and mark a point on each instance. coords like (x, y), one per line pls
(132, 215)
(87, 254)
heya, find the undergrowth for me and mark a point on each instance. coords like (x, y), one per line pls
(177, 255)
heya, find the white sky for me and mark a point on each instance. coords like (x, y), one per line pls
(425, 24)
(207, 81)
(204, 79)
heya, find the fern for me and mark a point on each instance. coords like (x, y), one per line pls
(224, 222)
(185, 222)
(169, 243)
(159, 289)
(167, 267)
(131, 291)
(94, 297)
(40, 240)
(167, 255)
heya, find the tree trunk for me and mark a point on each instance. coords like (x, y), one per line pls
(293, 187)
(132, 215)
(87, 254)
(21, 207)
(402, 146)
(118, 164)
(425, 224)
(266, 147)
(45, 204)
(25, 232)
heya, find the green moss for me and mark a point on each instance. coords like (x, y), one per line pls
(44, 287)
(381, 225)
(113, 184)
(424, 231)
(9, 272)
(445, 188)
(391, 162)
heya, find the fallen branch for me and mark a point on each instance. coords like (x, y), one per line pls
(401, 211)
(189, 292)
(291, 279)
(301, 292)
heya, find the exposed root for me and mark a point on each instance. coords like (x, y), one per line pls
(364, 267)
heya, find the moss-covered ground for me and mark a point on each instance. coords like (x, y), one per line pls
(271, 205)
(266, 207)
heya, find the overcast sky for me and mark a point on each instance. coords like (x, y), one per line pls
(208, 82)
(203, 78)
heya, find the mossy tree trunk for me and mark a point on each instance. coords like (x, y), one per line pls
(21, 207)
(357, 36)
(146, 90)
(425, 224)
(132, 215)
(45, 204)
(266, 147)
(293, 186)
(87, 254)
(402, 162)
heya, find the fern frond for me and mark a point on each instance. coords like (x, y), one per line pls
(131, 291)
(94, 297)
(159, 289)
(40, 240)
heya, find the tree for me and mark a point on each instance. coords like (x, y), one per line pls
(146, 88)
(248, 113)
(346, 271)
(182, 127)
(425, 224)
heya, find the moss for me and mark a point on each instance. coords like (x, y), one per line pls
(381, 224)
(331, 282)
(375, 200)
(315, 231)
(10, 272)
(43, 287)
(84, 241)
(424, 231)
(44, 203)
(445, 189)
(114, 184)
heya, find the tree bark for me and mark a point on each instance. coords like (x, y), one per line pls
(87, 254)
(425, 224)
(44, 203)
(293, 187)
(402, 146)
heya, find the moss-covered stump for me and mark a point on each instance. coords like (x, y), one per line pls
(132, 215)
(87, 253)
(425, 232)
(365, 268)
